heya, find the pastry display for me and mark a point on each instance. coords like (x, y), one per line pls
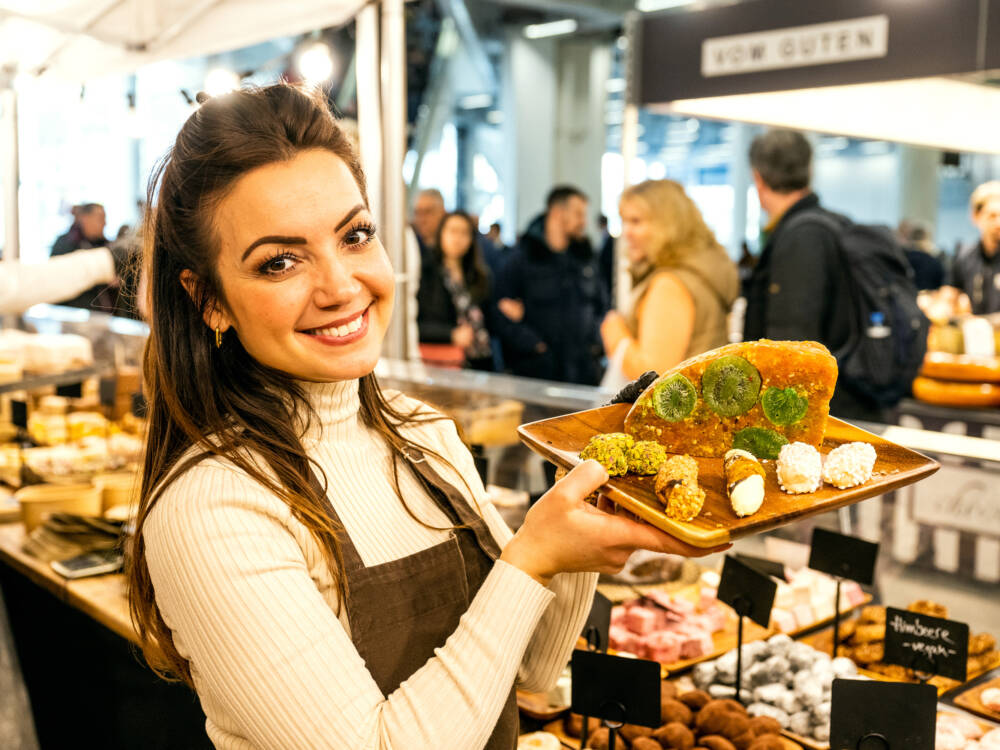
(849, 465)
(807, 598)
(863, 640)
(677, 488)
(783, 680)
(990, 698)
(691, 719)
(948, 393)
(744, 481)
(799, 468)
(961, 367)
(538, 741)
(754, 396)
(45, 353)
(667, 628)
(958, 732)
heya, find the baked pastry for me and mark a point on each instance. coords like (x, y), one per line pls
(677, 488)
(927, 607)
(744, 482)
(755, 396)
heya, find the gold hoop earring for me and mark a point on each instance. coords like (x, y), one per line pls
(218, 338)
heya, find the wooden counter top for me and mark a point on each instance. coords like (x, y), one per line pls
(100, 597)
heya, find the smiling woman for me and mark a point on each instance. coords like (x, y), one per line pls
(317, 559)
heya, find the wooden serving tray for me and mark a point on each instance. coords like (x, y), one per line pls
(970, 701)
(561, 439)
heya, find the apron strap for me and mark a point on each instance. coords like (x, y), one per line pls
(452, 501)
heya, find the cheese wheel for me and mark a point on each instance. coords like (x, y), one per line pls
(944, 393)
(961, 367)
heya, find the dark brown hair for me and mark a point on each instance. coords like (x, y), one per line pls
(783, 158)
(474, 269)
(220, 401)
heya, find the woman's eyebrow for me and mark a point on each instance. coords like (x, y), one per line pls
(348, 216)
(273, 239)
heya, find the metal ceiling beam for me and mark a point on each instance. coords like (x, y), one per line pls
(606, 13)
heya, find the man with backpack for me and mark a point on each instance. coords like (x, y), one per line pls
(822, 278)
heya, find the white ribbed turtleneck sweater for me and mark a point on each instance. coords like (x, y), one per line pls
(252, 606)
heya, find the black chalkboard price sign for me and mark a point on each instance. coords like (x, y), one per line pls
(19, 414)
(876, 715)
(751, 594)
(843, 556)
(927, 645)
(615, 689)
(70, 390)
(595, 629)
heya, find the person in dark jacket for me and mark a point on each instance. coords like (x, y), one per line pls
(454, 292)
(86, 233)
(799, 290)
(976, 269)
(915, 238)
(551, 297)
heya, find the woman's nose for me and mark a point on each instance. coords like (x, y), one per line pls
(335, 283)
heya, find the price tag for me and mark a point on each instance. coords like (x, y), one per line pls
(19, 414)
(138, 405)
(595, 630)
(615, 688)
(876, 715)
(107, 390)
(70, 390)
(765, 566)
(843, 556)
(748, 591)
(926, 644)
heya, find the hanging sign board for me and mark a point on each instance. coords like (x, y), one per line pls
(777, 45)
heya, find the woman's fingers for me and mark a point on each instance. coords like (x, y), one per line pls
(624, 532)
(581, 481)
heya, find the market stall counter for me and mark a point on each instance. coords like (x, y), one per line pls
(86, 681)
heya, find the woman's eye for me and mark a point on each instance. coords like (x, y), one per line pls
(360, 235)
(278, 265)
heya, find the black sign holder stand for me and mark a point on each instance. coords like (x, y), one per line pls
(743, 608)
(593, 636)
(613, 725)
(873, 741)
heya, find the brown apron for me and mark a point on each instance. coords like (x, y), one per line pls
(400, 611)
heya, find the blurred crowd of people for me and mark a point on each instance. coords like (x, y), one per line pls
(543, 307)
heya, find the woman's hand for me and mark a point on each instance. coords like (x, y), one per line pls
(513, 309)
(564, 534)
(462, 336)
(613, 330)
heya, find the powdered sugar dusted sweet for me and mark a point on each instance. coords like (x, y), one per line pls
(799, 468)
(849, 465)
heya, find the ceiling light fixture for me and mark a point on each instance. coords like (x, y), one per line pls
(552, 28)
(315, 63)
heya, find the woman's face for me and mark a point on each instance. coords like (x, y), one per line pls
(307, 284)
(638, 230)
(456, 237)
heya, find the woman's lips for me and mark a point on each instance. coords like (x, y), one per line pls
(347, 333)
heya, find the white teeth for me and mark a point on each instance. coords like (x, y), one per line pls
(340, 331)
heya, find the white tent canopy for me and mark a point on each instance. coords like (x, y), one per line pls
(81, 39)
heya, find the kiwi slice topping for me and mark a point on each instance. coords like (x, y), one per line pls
(760, 441)
(783, 406)
(674, 398)
(730, 386)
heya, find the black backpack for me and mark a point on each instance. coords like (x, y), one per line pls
(888, 337)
